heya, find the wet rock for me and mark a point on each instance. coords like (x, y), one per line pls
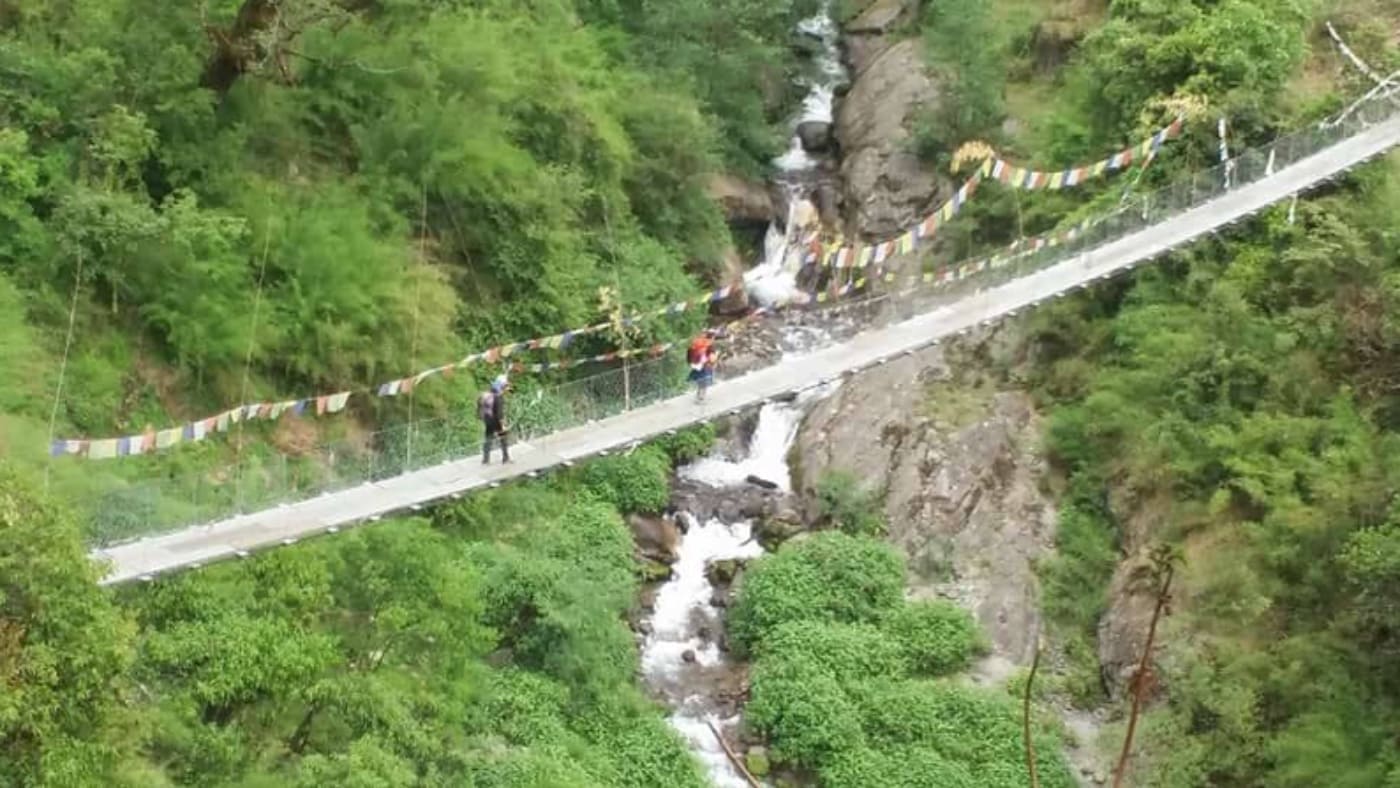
(756, 761)
(759, 481)
(959, 465)
(644, 628)
(688, 656)
(780, 528)
(720, 600)
(655, 571)
(743, 201)
(656, 538)
(816, 135)
(722, 573)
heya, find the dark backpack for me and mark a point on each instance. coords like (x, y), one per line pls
(486, 406)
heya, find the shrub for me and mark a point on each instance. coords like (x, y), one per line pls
(689, 444)
(976, 728)
(829, 577)
(633, 482)
(843, 503)
(902, 767)
(805, 713)
(936, 638)
(846, 652)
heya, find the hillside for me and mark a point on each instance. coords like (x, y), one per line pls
(269, 201)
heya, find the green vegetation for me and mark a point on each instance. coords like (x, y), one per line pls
(845, 675)
(259, 200)
(490, 650)
(845, 504)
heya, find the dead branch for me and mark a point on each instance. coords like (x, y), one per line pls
(734, 759)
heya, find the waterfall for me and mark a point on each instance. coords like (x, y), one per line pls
(773, 281)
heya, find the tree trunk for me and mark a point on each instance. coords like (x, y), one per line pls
(1140, 679)
(1026, 721)
(235, 46)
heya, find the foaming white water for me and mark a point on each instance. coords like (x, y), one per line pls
(767, 455)
(773, 282)
(683, 618)
(683, 604)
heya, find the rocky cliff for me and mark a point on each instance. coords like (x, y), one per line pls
(954, 450)
(886, 186)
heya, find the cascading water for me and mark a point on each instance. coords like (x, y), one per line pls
(773, 282)
(682, 661)
(681, 658)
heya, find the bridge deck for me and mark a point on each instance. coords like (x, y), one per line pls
(284, 524)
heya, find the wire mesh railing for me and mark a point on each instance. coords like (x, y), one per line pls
(127, 511)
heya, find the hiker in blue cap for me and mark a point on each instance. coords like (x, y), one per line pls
(491, 408)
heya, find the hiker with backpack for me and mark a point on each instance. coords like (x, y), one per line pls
(491, 409)
(702, 357)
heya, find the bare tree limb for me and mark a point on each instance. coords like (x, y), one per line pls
(734, 759)
(1163, 560)
(1026, 718)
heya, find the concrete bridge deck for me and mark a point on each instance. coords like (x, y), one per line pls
(285, 524)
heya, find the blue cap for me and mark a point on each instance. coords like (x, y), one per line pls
(498, 385)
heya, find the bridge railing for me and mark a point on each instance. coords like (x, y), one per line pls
(263, 479)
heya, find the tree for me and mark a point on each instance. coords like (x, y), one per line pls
(64, 649)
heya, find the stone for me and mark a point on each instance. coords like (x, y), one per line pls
(816, 136)
(774, 531)
(756, 761)
(887, 186)
(723, 572)
(655, 571)
(1122, 631)
(719, 600)
(743, 201)
(688, 656)
(963, 496)
(759, 481)
(656, 538)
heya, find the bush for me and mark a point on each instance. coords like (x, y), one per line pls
(936, 638)
(975, 728)
(844, 504)
(846, 652)
(633, 482)
(689, 444)
(903, 767)
(829, 577)
(805, 713)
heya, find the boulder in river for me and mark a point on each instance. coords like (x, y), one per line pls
(656, 537)
(722, 573)
(744, 202)
(815, 135)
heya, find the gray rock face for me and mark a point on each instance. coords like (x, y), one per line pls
(868, 34)
(959, 466)
(815, 136)
(744, 202)
(1123, 629)
(887, 187)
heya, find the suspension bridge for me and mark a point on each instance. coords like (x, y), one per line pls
(1166, 219)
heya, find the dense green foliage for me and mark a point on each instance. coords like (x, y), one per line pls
(258, 200)
(839, 683)
(63, 647)
(491, 651)
(830, 577)
(1238, 402)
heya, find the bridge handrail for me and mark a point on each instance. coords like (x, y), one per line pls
(130, 511)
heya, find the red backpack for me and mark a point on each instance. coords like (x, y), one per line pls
(699, 349)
